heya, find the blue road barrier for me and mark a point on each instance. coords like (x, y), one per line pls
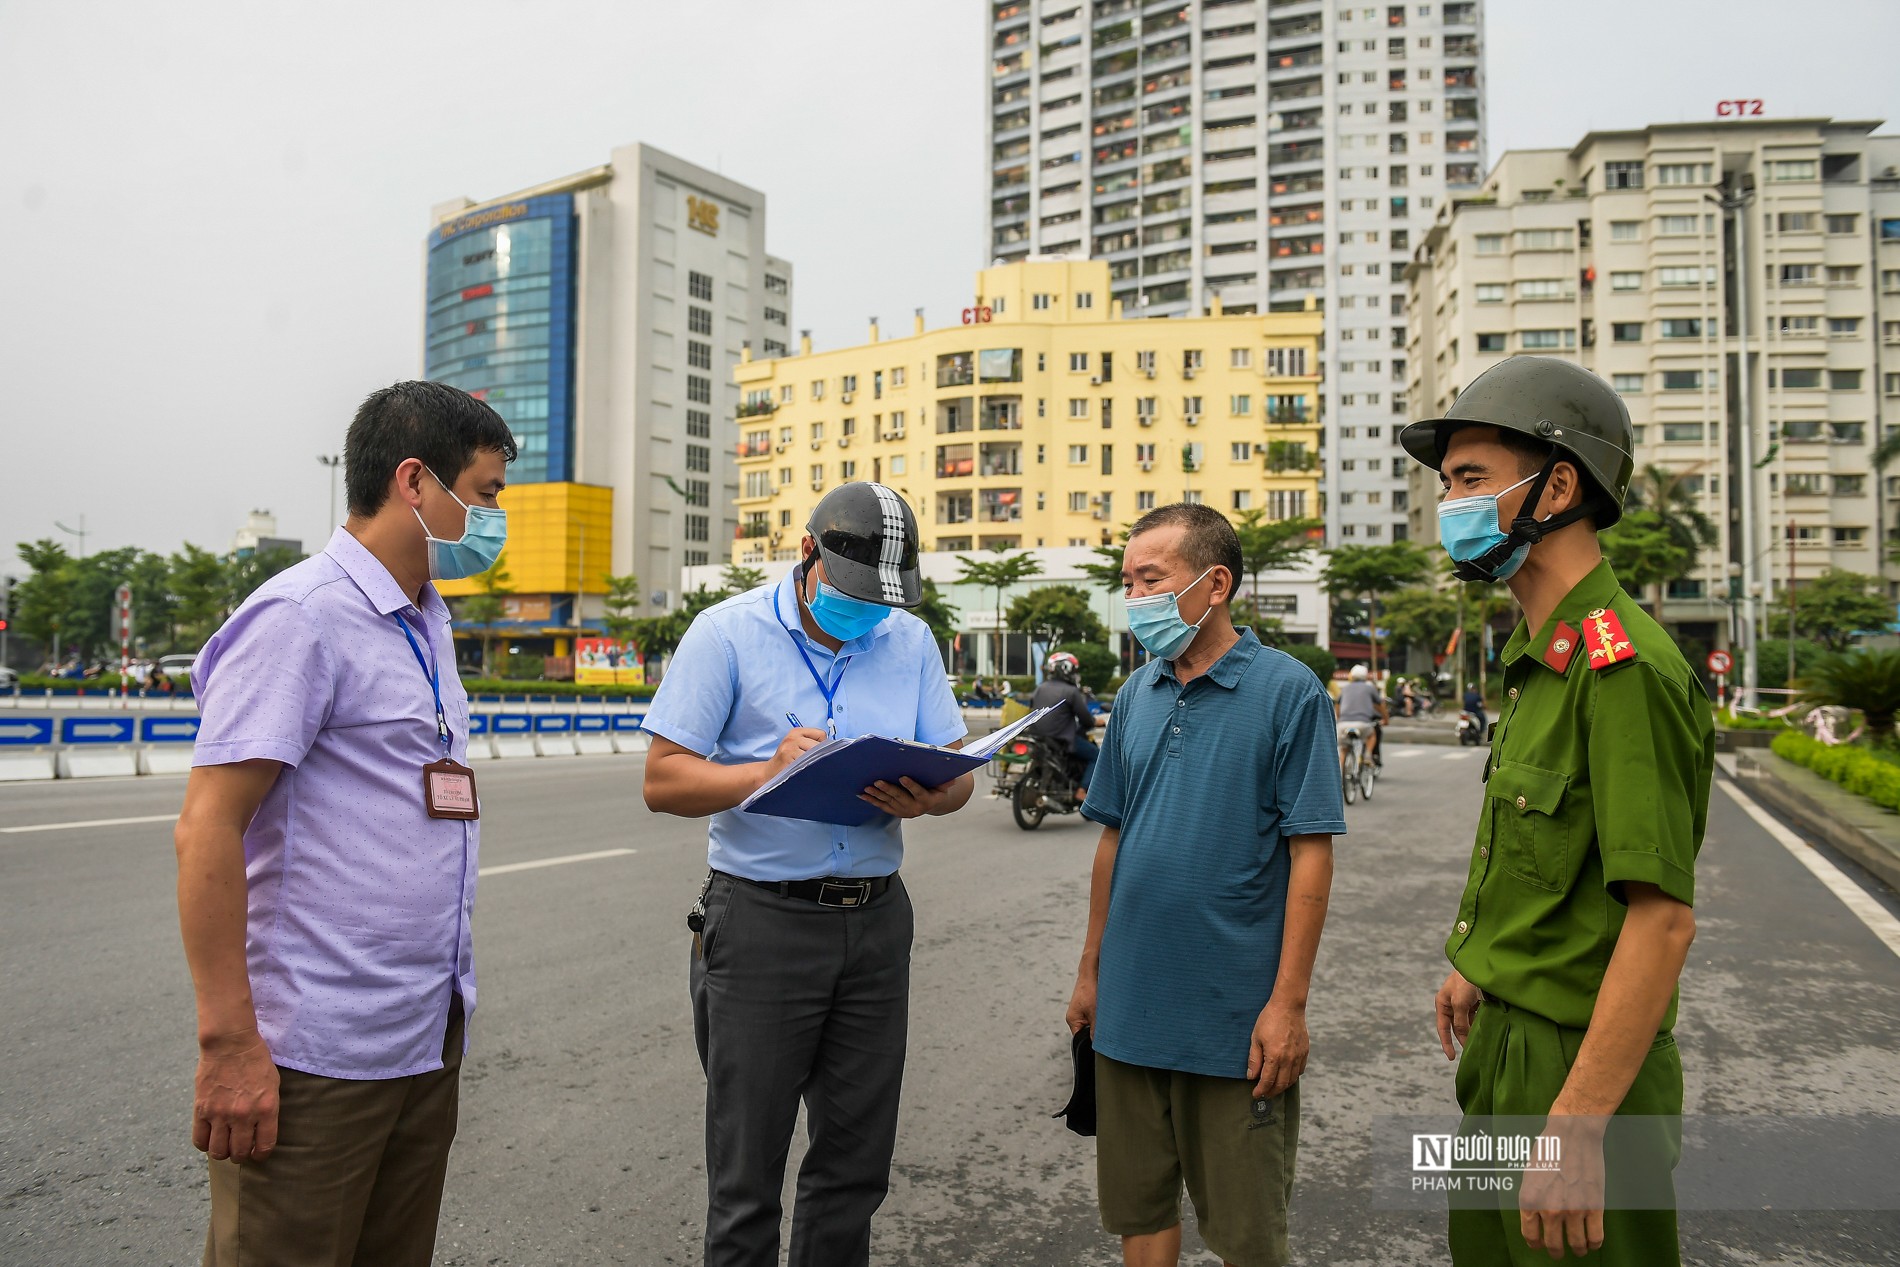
(626, 723)
(511, 724)
(592, 724)
(25, 731)
(478, 723)
(77, 730)
(553, 723)
(168, 729)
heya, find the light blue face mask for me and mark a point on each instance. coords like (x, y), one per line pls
(844, 617)
(1155, 620)
(1468, 527)
(484, 533)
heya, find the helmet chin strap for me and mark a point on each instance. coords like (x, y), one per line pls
(1526, 529)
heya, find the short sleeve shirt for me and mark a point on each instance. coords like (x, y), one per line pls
(1359, 701)
(1205, 782)
(358, 928)
(1596, 777)
(744, 665)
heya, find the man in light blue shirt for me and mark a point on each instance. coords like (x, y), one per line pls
(801, 949)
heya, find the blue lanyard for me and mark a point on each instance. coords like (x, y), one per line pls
(435, 680)
(829, 692)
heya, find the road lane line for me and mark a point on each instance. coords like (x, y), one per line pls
(1878, 919)
(1405, 752)
(90, 822)
(506, 867)
(1455, 756)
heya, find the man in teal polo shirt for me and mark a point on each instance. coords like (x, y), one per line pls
(1218, 792)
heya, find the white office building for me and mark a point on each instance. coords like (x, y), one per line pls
(601, 314)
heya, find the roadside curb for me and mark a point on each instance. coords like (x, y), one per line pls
(1822, 809)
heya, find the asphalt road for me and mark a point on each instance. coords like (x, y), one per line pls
(580, 1135)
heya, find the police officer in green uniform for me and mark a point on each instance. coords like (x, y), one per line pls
(1576, 916)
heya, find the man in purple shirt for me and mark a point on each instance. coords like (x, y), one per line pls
(327, 858)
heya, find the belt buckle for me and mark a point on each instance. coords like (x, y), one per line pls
(844, 893)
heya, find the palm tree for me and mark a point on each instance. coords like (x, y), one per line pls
(1666, 494)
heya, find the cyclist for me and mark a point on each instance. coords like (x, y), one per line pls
(1362, 710)
(1068, 726)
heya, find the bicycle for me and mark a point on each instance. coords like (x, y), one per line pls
(1358, 771)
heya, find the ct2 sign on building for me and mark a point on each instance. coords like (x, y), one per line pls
(1750, 106)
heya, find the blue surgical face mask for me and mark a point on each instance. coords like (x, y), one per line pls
(844, 617)
(1468, 526)
(1155, 620)
(484, 533)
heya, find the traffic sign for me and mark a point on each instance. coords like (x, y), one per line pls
(1720, 662)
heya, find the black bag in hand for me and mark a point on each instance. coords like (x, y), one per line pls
(1080, 1111)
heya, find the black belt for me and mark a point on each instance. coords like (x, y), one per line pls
(839, 891)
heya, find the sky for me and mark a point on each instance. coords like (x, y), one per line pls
(214, 212)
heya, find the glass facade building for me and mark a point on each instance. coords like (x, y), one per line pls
(501, 323)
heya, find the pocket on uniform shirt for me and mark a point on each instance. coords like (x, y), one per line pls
(1529, 831)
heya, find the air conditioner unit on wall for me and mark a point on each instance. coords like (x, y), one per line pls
(844, 442)
(1146, 466)
(817, 445)
(845, 397)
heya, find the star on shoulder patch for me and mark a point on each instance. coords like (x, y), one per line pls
(1562, 646)
(1607, 642)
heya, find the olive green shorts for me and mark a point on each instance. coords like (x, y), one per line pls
(1156, 1128)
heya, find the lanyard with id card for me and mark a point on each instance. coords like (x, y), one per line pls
(448, 787)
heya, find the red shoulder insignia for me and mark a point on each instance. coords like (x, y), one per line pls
(1607, 641)
(1563, 645)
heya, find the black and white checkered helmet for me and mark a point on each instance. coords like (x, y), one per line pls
(867, 538)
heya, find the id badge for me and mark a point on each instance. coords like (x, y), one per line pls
(448, 790)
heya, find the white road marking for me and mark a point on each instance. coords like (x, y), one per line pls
(506, 867)
(1878, 919)
(1405, 752)
(1459, 755)
(90, 822)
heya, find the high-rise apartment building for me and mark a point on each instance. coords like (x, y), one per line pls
(602, 315)
(1262, 151)
(1044, 419)
(1657, 257)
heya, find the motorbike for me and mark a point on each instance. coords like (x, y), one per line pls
(1470, 733)
(1037, 777)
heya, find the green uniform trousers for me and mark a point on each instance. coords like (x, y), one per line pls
(1514, 1064)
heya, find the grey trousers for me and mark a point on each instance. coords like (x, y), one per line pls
(793, 1000)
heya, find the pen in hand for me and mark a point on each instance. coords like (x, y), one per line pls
(793, 718)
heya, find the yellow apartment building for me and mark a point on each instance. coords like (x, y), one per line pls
(1044, 418)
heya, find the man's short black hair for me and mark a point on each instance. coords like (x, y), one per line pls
(1209, 540)
(441, 425)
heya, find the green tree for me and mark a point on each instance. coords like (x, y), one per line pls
(251, 571)
(1645, 551)
(1831, 608)
(1271, 545)
(1866, 679)
(998, 574)
(935, 610)
(1422, 615)
(1323, 663)
(1057, 613)
(43, 601)
(1372, 571)
(621, 603)
(202, 588)
(737, 579)
(1676, 508)
(484, 607)
(94, 629)
(661, 635)
(1271, 630)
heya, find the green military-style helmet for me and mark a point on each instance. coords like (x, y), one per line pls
(1547, 399)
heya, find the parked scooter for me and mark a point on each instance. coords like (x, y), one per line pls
(1470, 731)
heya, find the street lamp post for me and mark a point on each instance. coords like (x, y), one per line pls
(331, 460)
(1736, 205)
(79, 532)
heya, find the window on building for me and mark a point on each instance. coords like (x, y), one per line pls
(1626, 332)
(699, 320)
(1792, 169)
(1843, 274)
(1078, 407)
(1489, 292)
(1039, 302)
(1626, 230)
(1627, 175)
(1681, 327)
(698, 389)
(1079, 362)
(1843, 380)
(1689, 276)
(1684, 173)
(698, 355)
(1682, 433)
(1489, 244)
(1627, 384)
(1681, 380)
(699, 285)
(1493, 342)
(699, 423)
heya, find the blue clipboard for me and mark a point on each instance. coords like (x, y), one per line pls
(823, 785)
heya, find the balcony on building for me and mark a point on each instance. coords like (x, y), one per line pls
(1295, 28)
(1000, 505)
(956, 369)
(996, 458)
(1002, 413)
(1461, 77)
(1294, 58)
(955, 508)
(956, 415)
(955, 461)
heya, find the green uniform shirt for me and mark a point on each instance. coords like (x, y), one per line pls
(1597, 775)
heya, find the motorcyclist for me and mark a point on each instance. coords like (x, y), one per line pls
(1069, 725)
